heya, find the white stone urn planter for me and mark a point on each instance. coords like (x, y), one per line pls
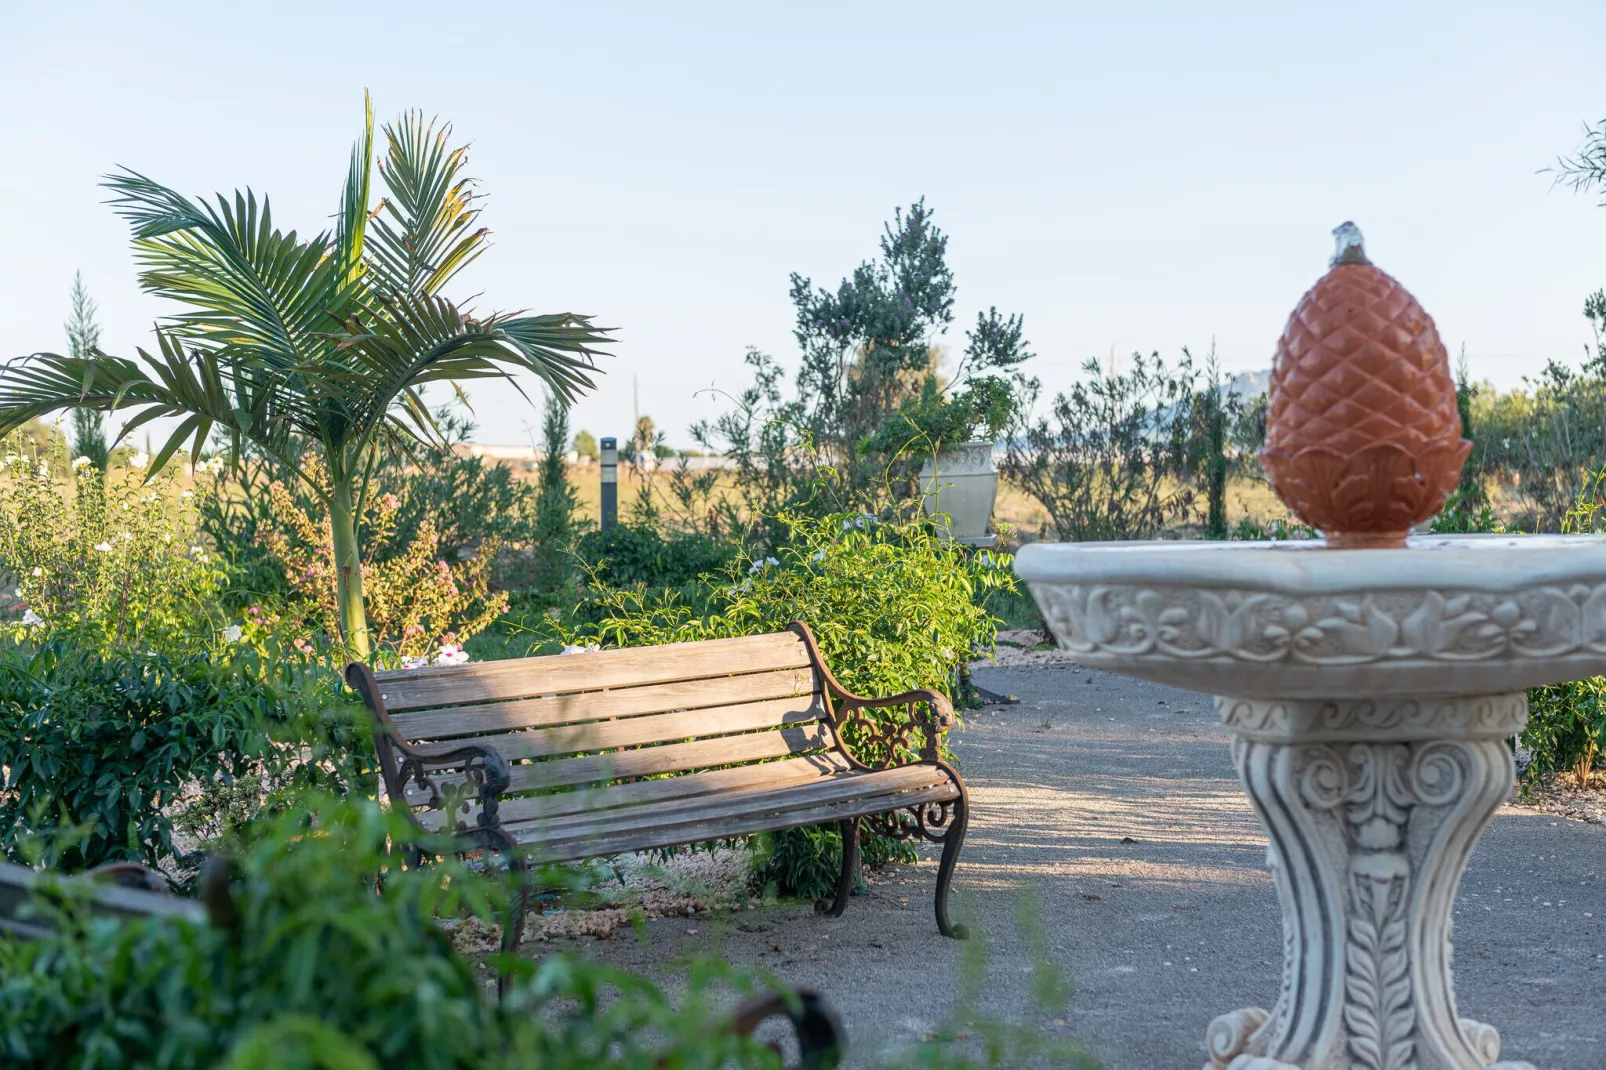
(1370, 693)
(962, 481)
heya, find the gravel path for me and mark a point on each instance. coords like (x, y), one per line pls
(1113, 806)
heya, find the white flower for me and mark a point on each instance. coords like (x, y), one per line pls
(184, 495)
(139, 460)
(44, 471)
(233, 633)
(37, 571)
(819, 555)
(581, 648)
(413, 661)
(11, 458)
(79, 462)
(214, 466)
(451, 654)
(103, 547)
(126, 507)
(31, 619)
(125, 536)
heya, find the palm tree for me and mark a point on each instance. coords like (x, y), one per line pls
(321, 344)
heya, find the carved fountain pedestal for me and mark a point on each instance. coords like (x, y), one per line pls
(1370, 694)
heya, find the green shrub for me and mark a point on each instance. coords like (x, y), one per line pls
(1114, 458)
(115, 560)
(319, 970)
(1566, 729)
(894, 605)
(630, 555)
(109, 744)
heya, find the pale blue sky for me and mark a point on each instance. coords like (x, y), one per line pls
(1141, 175)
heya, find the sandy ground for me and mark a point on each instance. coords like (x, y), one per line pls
(1110, 806)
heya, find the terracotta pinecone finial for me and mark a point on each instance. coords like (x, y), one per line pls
(1363, 437)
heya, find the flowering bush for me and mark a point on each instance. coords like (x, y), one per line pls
(419, 606)
(114, 559)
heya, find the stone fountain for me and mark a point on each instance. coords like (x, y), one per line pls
(1370, 679)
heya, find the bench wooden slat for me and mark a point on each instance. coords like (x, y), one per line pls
(601, 705)
(638, 793)
(640, 731)
(650, 761)
(645, 837)
(495, 681)
(851, 784)
(18, 885)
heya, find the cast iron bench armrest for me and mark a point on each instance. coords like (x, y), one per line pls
(486, 775)
(930, 715)
(934, 717)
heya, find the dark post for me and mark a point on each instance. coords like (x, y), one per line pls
(610, 483)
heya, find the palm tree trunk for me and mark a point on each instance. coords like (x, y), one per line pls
(348, 572)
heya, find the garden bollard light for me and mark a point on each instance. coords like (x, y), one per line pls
(610, 482)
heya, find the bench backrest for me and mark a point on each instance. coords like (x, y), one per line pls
(579, 719)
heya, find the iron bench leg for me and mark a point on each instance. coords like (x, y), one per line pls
(850, 869)
(952, 841)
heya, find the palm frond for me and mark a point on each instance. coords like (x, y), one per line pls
(425, 231)
(351, 233)
(197, 388)
(250, 285)
(421, 339)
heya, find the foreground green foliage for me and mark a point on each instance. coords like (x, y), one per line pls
(319, 969)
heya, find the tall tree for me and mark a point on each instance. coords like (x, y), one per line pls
(320, 344)
(866, 344)
(83, 337)
(557, 503)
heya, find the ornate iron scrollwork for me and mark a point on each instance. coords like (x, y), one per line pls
(929, 821)
(890, 740)
(485, 777)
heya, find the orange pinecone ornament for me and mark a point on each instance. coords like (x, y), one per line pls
(1363, 438)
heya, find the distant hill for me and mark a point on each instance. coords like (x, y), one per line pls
(1248, 384)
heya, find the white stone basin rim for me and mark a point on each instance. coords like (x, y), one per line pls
(1446, 615)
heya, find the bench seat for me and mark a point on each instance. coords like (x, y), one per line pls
(559, 758)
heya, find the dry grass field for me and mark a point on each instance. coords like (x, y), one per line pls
(1251, 499)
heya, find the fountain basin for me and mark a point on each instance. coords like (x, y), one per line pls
(1453, 615)
(1370, 694)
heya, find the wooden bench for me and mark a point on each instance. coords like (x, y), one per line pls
(589, 755)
